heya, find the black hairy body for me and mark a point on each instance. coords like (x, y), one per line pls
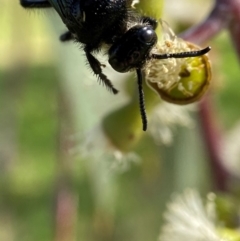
(96, 23)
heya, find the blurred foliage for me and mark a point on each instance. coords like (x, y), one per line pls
(32, 97)
(227, 80)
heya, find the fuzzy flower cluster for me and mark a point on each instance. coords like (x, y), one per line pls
(166, 74)
(167, 117)
(187, 218)
(95, 144)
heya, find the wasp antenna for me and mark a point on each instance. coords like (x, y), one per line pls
(141, 99)
(194, 53)
(205, 50)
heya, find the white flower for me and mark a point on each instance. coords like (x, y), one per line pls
(165, 118)
(188, 219)
(94, 144)
(180, 80)
(165, 73)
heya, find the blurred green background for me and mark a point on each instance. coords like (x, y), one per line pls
(47, 96)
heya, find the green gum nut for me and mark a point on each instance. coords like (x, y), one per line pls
(194, 80)
(123, 126)
(229, 234)
(151, 8)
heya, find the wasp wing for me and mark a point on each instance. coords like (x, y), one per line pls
(69, 11)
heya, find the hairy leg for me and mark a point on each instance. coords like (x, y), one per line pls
(35, 3)
(96, 67)
(67, 36)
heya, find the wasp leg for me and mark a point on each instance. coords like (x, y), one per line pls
(66, 36)
(35, 4)
(96, 67)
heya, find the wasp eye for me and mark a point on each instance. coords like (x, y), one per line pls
(148, 35)
(118, 65)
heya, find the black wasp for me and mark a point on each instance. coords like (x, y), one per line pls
(130, 38)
